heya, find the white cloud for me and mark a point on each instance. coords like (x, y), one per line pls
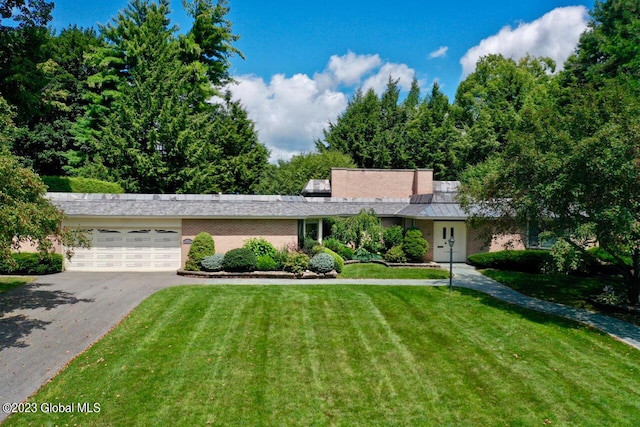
(554, 35)
(439, 53)
(396, 71)
(290, 113)
(349, 69)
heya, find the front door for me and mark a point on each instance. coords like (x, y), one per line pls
(442, 232)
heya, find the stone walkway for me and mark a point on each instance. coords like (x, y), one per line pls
(468, 277)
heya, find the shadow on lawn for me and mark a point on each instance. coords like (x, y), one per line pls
(15, 328)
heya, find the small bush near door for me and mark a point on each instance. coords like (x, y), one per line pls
(414, 245)
(202, 246)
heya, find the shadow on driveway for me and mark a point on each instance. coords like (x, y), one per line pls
(15, 322)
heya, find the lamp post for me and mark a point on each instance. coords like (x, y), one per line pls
(451, 243)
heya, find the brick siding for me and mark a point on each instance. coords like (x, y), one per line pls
(231, 233)
(380, 183)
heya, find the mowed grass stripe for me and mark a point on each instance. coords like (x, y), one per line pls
(204, 341)
(345, 355)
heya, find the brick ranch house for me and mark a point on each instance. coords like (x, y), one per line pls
(148, 232)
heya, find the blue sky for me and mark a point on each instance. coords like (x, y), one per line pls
(305, 59)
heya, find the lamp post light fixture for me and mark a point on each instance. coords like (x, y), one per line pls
(452, 241)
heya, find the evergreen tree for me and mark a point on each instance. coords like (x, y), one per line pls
(290, 177)
(150, 125)
(385, 132)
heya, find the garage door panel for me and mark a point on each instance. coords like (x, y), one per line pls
(128, 249)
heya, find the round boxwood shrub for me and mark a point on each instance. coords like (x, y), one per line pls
(414, 245)
(266, 263)
(395, 254)
(321, 263)
(201, 247)
(213, 262)
(338, 261)
(297, 262)
(241, 259)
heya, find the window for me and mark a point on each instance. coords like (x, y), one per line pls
(535, 241)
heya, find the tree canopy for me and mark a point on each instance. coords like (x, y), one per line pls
(290, 177)
(571, 161)
(26, 215)
(386, 132)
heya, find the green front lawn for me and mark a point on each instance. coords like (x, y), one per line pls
(379, 271)
(561, 288)
(344, 355)
(7, 282)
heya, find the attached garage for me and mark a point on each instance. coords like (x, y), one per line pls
(152, 246)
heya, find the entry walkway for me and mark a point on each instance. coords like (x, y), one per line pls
(467, 277)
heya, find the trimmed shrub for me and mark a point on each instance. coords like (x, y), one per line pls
(32, 263)
(213, 262)
(260, 247)
(395, 254)
(201, 247)
(338, 261)
(297, 262)
(321, 263)
(392, 236)
(526, 261)
(266, 263)
(74, 184)
(240, 260)
(414, 245)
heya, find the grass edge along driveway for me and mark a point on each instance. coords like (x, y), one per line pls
(345, 355)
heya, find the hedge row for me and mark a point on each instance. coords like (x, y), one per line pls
(526, 261)
(72, 184)
(31, 263)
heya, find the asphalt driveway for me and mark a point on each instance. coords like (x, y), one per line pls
(45, 324)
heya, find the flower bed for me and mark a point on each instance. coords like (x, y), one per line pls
(256, 275)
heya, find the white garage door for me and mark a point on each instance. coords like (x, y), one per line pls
(129, 249)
